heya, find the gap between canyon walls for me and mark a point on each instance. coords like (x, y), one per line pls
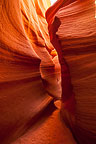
(36, 28)
(68, 99)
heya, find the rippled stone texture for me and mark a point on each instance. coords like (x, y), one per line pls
(27, 69)
(72, 28)
(30, 71)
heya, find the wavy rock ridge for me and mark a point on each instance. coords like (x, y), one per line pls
(30, 73)
(76, 47)
(28, 76)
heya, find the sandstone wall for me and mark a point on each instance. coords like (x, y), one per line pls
(27, 70)
(72, 28)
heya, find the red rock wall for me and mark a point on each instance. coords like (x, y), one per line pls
(72, 28)
(29, 68)
(28, 76)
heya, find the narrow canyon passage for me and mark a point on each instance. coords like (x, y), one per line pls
(50, 129)
(48, 72)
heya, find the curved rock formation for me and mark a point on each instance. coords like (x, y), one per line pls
(30, 70)
(27, 69)
(72, 31)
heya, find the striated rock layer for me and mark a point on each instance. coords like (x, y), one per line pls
(72, 28)
(30, 71)
(28, 76)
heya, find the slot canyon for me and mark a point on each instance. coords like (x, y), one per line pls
(47, 72)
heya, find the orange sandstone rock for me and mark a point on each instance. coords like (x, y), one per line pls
(25, 86)
(72, 28)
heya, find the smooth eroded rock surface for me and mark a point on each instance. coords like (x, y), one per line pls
(26, 86)
(73, 24)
